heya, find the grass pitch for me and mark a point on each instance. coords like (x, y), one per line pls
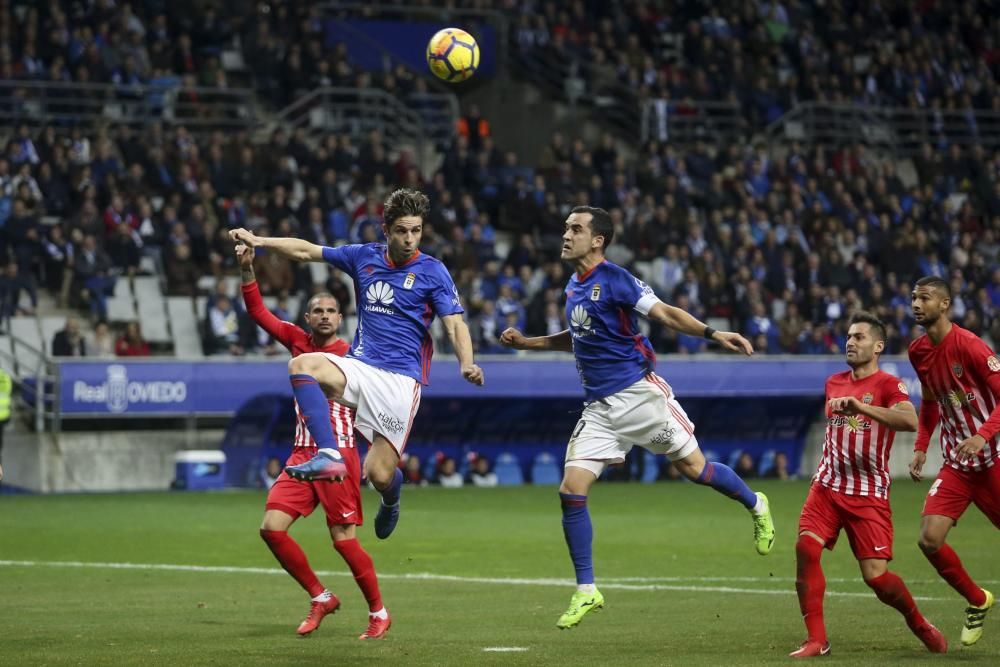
(467, 570)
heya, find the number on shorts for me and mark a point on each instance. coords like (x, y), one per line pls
(579, 427)
(934, 487)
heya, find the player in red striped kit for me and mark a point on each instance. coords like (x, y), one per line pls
(960, 381)
(290, 499)
(865, 406)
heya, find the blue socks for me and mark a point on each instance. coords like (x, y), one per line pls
(579, 534)
(315, 408)
(723, 479)
(390, 494)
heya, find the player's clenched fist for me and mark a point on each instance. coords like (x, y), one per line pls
(474, 374)
(847, 405)
(244, 236)
(513, 338)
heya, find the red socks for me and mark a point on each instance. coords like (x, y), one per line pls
(293, 559)
(949, 566)
(363, 570)
(891, 590)
(810, 585)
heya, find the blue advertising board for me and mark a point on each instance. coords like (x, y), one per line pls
(136, 388)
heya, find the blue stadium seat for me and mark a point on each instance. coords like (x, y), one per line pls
(508, 470)
(545, 470)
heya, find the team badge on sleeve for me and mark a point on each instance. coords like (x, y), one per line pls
(595, 293)
(902, 388)
(993, 363)
(646, 289)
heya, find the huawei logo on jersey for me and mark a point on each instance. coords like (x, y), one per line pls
(579, 319)
(380, 297)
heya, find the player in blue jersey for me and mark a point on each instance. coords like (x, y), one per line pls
(627, 403)
(399, 292)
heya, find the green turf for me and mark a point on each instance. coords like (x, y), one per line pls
(681, 534)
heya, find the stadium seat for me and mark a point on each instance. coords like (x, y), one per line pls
(545, 470)
(184, 325)
(508, 470)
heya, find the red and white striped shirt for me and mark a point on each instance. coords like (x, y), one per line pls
(855, 458)
(964, 375)
(299, 342)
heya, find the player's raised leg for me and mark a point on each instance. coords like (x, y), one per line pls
(724, 479)
(890, 589)
(382, 470)
(315, 380)
(274, 532)
(346, 543)
(933, 533)
(578, 477)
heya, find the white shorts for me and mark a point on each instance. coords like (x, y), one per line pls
(644, 414)
(386, 402)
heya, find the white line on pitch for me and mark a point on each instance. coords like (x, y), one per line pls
(428, 576)
(505, 649)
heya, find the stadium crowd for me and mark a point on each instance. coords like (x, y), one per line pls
(784, 242)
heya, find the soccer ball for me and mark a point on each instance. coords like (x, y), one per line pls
(453, 55)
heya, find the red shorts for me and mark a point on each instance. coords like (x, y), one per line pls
(341, 500)
(953, 490)
(866, 520)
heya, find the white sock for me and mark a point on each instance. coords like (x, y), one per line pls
(323, 597)
(586, 588)
(381, 613)
(759, 507)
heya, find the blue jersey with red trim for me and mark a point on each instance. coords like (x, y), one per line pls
(601, 307)
(396, 305)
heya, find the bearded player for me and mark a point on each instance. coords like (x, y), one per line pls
(865, 406)
(289, 498)
(960, 385)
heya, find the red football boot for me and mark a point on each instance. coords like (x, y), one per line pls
(932, 638)
(317, 610)
(811, 649)
(377, 627)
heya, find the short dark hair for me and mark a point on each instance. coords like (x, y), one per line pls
(321, 295)
(877, 326)
(600, 223)
(404, 202)
(935, 282)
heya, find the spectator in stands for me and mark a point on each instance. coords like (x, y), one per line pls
(780, 468)
(125, 249)
(412, 473)
(745, 466)
(93, 275)
(223, 327)
(447, 475)
(69, 342)
(11, 286)
(101, 342)
(182, 272)
(481, 475)
(270, 472)
(131, 342)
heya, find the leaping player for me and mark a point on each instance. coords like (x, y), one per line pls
(399, 291)
(290, 499)
(628, 403)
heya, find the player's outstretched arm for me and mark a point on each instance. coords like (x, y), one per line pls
(686, 323)
(561, 342)
(458, 333)
(294, 249)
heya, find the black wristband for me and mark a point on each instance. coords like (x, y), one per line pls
(709, 332)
